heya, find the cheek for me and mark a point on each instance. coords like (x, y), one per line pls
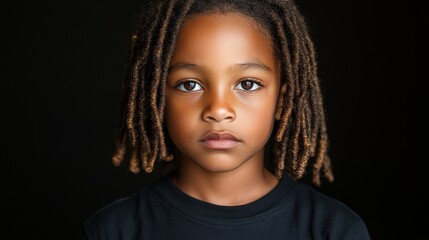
(180, 119)
(259, 116)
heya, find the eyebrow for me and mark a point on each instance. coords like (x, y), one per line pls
(240, 66)
(179, 66)
(252, 65)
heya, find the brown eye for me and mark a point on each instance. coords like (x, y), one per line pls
(248, 85)
(189, 86)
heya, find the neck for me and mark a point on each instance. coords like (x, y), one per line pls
(240, 186)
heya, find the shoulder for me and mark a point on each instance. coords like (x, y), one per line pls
(328, 216)
(117, 218)
(322, 203)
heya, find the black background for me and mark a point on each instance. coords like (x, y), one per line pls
(63, 65)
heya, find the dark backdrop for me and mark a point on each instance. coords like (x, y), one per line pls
(63, 64)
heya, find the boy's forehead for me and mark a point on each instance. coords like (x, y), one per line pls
(228, 19)
(220, 35)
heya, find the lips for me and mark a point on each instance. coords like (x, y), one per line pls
(219, 140)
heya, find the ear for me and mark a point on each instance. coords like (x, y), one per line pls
(280, 101)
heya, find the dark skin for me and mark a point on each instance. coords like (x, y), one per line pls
(222, 97)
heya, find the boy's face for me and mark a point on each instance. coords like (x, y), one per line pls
(221, 94)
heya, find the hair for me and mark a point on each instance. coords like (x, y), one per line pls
(299, 137)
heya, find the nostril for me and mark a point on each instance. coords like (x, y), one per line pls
(211, 118)
(218, 115)
(218, 107)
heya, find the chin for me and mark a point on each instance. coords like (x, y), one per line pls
(220, 165)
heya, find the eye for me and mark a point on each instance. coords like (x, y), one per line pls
(248, 85)
(189, 86)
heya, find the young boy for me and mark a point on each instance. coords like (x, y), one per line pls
(211, 85)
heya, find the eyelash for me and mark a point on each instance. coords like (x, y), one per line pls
(181, 86)
(253, 81)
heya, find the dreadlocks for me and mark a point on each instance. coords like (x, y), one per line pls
(301, 133)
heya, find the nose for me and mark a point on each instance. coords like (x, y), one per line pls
(219, 107)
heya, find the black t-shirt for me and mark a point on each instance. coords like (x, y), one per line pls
(292, 210)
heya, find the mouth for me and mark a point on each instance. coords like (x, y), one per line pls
(219, 140)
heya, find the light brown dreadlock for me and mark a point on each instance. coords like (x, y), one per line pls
(301, 132)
